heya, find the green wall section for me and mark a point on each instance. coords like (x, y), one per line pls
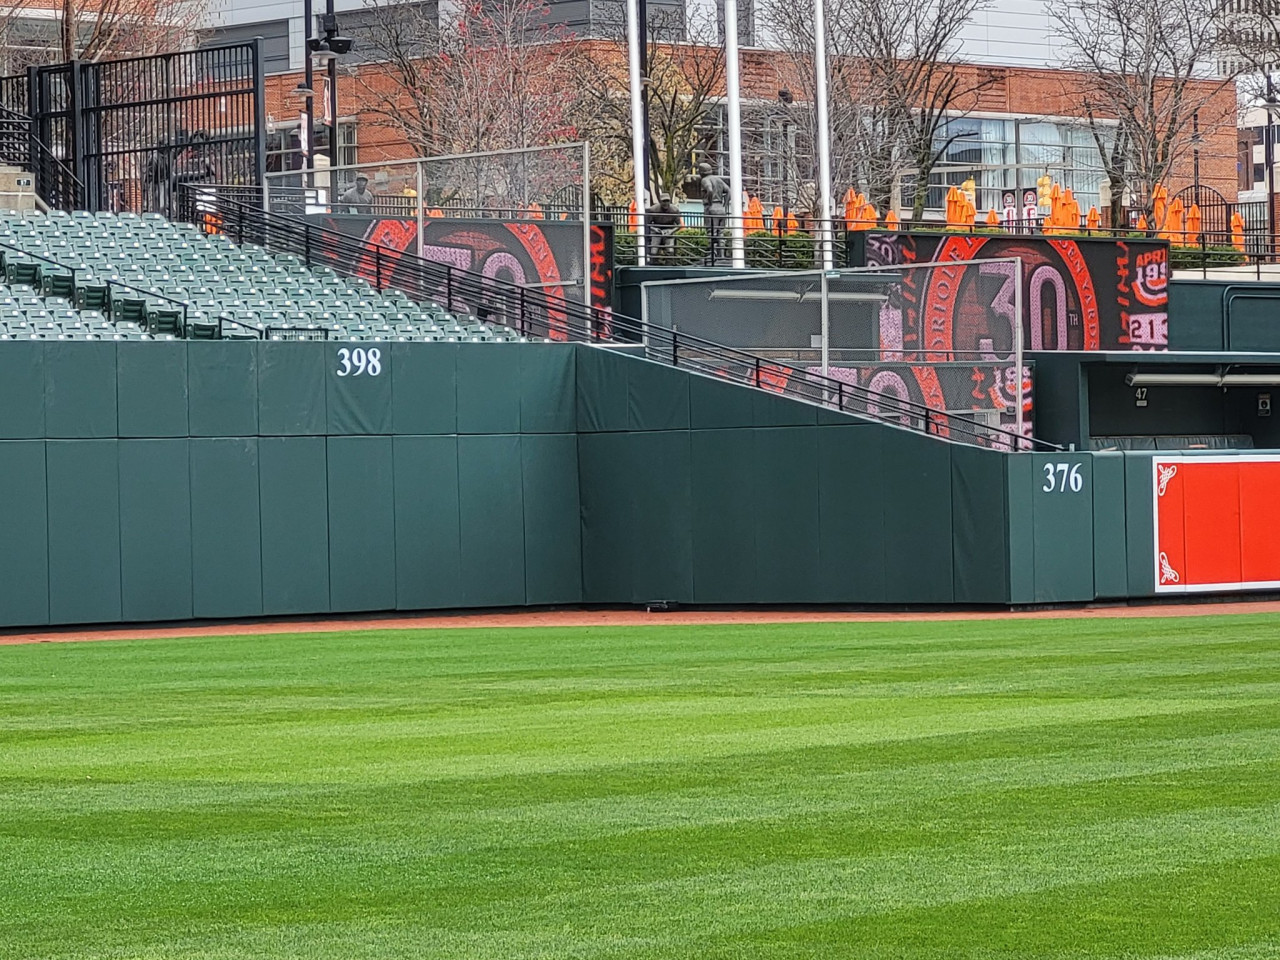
(229, 479)
(718, 494)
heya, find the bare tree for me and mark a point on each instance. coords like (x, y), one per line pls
(33, 34)
(1144, 72)
(893, 85)
(491, 78)
(685, 88)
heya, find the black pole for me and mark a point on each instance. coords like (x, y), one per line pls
(1195, 140)
(333, 98)
(1269, 151)
(643, 16)
(308, 81)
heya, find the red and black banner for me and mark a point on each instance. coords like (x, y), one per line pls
(1077, 294)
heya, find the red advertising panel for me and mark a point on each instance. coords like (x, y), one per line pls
(1217, 523)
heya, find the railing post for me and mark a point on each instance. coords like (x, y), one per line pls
(377, 267)
(757, 376)
(306, 244)
(840, 394)
(523, 312)
(448, 289)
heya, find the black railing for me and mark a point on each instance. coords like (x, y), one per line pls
(20, 146)
(125, 134)
(536, 314)
(79, 272)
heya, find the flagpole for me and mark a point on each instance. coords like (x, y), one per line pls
(637, 123)
(824, 133)
(733, 89)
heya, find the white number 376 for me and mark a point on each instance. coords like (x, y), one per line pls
(1061, 477)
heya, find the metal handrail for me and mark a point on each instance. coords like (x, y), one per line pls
(110, 281)
(37, 141)
(540, 314)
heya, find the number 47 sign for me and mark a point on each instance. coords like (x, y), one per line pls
(1062, 478)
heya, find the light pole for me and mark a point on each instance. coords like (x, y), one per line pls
(307, 91)
(326, 50)
(786, 99)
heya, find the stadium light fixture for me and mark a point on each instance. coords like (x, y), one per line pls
(1173, 380)
(1251, 380)
(798, 296)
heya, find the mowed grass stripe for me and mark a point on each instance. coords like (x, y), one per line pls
(771, 791)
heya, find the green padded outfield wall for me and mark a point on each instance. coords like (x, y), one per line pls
(164, 481)
(698, 491)
(226, 479)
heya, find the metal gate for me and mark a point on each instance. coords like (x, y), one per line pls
(1215, 212)
(126, 134)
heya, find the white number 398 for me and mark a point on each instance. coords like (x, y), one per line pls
(353, 363)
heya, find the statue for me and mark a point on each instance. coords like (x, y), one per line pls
(715, 207)
(359, 199)
(661, 222)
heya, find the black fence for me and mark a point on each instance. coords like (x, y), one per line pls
(536, 314)
(128, 134)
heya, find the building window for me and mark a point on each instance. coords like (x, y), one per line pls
(284, 146)
(275, 41)
(392, 30)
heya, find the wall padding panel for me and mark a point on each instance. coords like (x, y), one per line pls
(155, 529)
(428, 534)
(552, 518)
(151, 388)
(24, 558)
(851, 507)
(292, 380)
(787, 528)
(548, 401)
(294, 503)
(359, 388)
(917, 510)
(1110, 551)
(80, 389)
(84, 529)
(425, 388)
(489, 388)
(362, 524)
(222, 387)
(601, 390)
(226, 529)
(724, 516)
(1139, 525)
(22, 390)
(979, 515)
(491, 518)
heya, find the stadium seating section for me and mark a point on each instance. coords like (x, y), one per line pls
(85, 276)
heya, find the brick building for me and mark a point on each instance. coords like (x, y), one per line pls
(1021, 123)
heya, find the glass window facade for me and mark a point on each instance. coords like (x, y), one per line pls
(999, 154)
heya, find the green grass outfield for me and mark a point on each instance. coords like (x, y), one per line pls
(1015, 788)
